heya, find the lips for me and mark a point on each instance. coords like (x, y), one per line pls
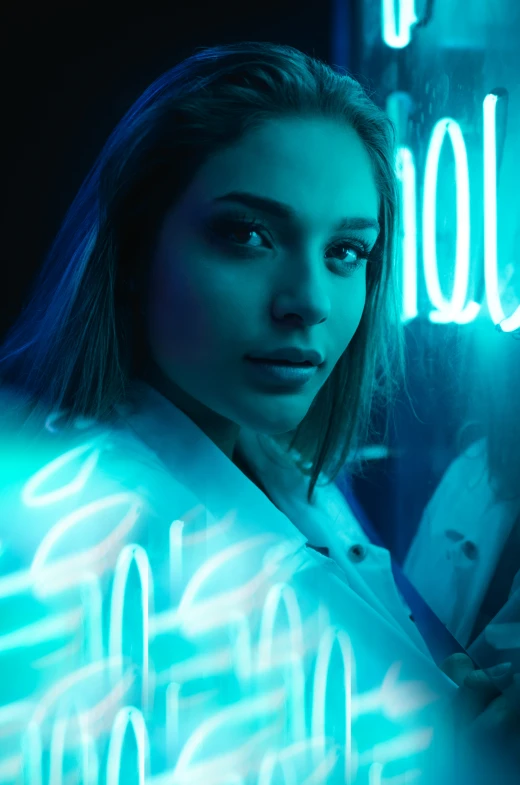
(288, 355)
(304, 364)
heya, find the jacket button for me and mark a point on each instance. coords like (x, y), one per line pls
(470, 550)
(356, 553)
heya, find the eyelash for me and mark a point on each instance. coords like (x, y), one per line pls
(227, 226)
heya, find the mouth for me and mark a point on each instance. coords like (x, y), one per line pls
(281, 363)
(281, 375)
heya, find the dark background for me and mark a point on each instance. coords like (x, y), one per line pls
(71, 70)
(69, 73)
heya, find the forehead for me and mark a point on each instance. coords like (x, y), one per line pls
(319, 167)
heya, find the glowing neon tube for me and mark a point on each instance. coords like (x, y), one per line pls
(512, 322)
(397, 28)
(447, 310)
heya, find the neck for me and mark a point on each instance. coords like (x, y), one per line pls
(222, 432)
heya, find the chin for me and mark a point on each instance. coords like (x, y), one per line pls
(275, 423)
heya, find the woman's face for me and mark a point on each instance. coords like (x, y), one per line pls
(265, 251)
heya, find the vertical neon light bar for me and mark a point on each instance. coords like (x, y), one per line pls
(406, 173)
(122, 569)
(32, 754)
(447, 310)
(88, 758)
(294, 671)
(407, 18)
(125, 716)
(508, 324)
(321, 673)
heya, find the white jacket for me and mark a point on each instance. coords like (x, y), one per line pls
(455, 553)
(142, 569)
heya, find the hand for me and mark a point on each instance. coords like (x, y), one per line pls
(486, 717)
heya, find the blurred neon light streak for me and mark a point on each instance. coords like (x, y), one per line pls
(176, 565)
(10, 768)
(29, 492)
(294, 675)
(400, 747)
(172, 723)
(128, 715)
(32, 754)
(397, 28)
(89, 759)
(53, 696)
(221, 608)
(242, 655)
(393, 699)
(375, 774)
(71, 570)
(267, 769)
(38, 632)
(321, 670)
(512, 322)
(322, 771)
(72, 649)
(14, 716)
(130, 554)
(215, 768)
(92, 600)
(452, 310)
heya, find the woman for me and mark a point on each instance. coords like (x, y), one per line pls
(215, 321)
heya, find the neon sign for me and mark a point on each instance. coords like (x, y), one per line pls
(455, 309)
(398, 17)
(397, 27)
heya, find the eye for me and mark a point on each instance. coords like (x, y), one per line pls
(359, 253)
(240, 232)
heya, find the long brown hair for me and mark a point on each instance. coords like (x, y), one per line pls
(80, 339)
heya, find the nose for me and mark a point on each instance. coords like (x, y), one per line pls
(302, 300)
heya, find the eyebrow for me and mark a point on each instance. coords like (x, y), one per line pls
(281, 210)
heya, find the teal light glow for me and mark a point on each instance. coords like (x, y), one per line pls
(53, 576)
(453, 310)
(511, 322)
(31, 498)
(92, 600)
(230, 720)
(406, 173)
(262, 635)
(270, 763)
(172, 723)
(241, 647)
(399, 747)
(176, 550)
(88, 758)
(129, 554)
(294, 676)
(324, 654)
(32, 755)
(124, 717)
(397, 27)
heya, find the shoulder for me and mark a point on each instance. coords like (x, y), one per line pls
(84, 477)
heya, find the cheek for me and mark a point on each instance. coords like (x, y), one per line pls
(349, 309)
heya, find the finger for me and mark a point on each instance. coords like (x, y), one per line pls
(458, 667)
(501, 675)
(477, 693)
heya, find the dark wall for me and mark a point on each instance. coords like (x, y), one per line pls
(71, 70)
